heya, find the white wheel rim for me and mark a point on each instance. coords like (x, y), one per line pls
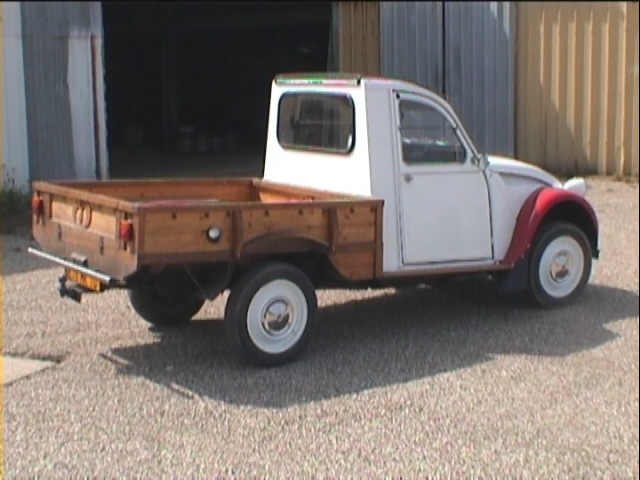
(277, 316)
(561, 267)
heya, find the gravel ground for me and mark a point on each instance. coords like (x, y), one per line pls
(457, 384)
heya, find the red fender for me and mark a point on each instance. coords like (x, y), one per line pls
(534, 210)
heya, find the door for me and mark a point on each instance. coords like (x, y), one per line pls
(443, 194)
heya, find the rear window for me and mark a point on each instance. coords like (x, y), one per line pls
(316, 121)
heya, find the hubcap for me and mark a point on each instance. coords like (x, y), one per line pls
(277, 316)
(561, 267)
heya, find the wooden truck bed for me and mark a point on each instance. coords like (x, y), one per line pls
(118, 227)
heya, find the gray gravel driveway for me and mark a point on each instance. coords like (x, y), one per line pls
(441, 383)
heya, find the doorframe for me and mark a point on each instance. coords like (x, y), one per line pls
(471, 154)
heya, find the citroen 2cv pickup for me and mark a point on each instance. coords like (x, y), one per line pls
(368, 182)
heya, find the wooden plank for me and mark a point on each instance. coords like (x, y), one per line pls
(306, 222)
(238, 232)
(357, 247)
(57, 190)
(354, 265)
(273, 197)
(357, 224)
(357, 233)
(223, 191)
(108, 259)
(140, 190)
(119, 184)
(356, 214)
(184, 231)
(98, 220)
(333, 229)
(139, 223)
(293, 192)
(163, 259)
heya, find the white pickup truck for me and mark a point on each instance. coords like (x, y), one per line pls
(368, 182)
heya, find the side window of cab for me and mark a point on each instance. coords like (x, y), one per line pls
(427, 136)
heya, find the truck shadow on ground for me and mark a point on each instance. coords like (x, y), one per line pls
(367, 344)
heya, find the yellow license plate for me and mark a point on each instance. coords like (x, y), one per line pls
(86, 281)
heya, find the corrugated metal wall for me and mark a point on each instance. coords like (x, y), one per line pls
(465, 50)
(359, 37)
(411, 39)
(577, 86)
(15, 151)
(64, 92)
(480, 69)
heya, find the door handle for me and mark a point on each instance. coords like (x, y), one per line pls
(408, 177)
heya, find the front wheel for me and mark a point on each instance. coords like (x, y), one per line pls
(560, 265)
(271, 314)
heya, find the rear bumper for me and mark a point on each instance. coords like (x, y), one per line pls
(101, 282)
(106, 279)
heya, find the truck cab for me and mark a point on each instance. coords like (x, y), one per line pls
(446, 205)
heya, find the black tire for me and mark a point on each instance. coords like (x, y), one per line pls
(165, 310)
(248, 335)
(539, 287)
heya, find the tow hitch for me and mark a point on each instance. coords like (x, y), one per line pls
(74, 292)
(81, 278)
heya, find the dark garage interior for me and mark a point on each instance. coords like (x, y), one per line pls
(188, 83)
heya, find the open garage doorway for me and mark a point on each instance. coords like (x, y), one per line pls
(188, 83)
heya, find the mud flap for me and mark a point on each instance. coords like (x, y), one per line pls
(517, 279)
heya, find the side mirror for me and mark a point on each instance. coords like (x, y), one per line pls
(481, 161)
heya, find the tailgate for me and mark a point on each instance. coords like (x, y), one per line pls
(95, 231)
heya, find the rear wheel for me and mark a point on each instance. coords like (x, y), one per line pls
(165, 308)
(560, 265)
(271, 314)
